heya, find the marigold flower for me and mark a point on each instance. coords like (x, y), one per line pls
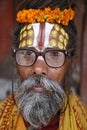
(46, 15)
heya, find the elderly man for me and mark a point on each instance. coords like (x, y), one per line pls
(44, 45)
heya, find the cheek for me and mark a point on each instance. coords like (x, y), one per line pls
(58, 73)
(23, 71)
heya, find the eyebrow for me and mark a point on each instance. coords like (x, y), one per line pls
(47, 48)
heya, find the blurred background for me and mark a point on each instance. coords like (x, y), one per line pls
(7, 22)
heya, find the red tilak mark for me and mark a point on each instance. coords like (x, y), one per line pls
(41, 35)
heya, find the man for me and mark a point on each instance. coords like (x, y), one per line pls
(45, 43)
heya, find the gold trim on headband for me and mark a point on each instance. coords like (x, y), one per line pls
(46, 15)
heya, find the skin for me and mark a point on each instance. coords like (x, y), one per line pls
(40, 67)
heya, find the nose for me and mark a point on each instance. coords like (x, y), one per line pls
(40, 68)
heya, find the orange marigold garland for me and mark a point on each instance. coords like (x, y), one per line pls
(46, 15)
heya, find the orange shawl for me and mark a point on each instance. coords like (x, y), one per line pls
(74, 118)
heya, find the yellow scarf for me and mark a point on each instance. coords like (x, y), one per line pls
(74, 117)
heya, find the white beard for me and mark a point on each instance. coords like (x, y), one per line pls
(38, 108)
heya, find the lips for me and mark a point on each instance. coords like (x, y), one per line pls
(38, 88)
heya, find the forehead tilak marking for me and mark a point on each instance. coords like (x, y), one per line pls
(32, 35)
(47, 27)
(26, 36)
(58, 37)
(41, 35)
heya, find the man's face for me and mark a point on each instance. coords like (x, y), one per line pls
(41, 37)
(40, 94)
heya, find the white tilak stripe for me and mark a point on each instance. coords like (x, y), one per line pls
(48, 28)
(36, 27)
(40, 58)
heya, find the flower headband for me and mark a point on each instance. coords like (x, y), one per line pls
(46, 15)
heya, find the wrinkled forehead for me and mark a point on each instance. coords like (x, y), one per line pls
(43, 35)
